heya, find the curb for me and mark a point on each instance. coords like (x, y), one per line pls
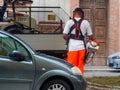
(101, 87)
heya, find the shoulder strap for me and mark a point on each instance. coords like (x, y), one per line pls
(77, 25)
(78, 30)
(74, 25)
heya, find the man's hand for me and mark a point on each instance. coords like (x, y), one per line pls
(91, 37)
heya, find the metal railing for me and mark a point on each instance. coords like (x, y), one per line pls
(41, 14)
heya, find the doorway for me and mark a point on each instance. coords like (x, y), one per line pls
(96, 13)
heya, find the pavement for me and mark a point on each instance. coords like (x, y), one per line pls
(100, 68)
(98, 71)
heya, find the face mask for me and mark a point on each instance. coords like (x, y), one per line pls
(77, 18)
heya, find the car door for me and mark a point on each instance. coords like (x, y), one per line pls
(15, 75)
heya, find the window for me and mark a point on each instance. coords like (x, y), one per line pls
(51, 17)
(116, 57)
(22, 49)
(7, 45)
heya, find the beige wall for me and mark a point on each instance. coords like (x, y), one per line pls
(119, 26)
(73, 5)
(113, 42)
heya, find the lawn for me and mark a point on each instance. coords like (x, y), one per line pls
(112, 81)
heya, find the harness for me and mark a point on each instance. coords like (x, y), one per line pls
(78, 34)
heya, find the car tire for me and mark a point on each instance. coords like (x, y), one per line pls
(56, 84)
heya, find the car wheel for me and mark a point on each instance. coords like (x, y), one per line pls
(56, 85)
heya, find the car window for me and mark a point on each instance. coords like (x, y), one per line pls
(23, 50)
(116, 57)
(8, 44)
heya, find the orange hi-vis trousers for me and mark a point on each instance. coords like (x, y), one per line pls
(77, 58)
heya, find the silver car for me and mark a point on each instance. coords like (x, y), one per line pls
(114, 60)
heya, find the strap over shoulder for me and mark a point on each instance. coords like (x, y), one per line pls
(78, 34)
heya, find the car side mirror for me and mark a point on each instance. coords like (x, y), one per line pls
(17, 55)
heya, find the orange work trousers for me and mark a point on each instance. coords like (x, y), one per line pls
(77, 58)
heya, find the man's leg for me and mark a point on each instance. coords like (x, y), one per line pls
(73, 57)
(82, 54)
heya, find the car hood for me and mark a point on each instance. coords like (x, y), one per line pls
(52, 63)
(55, 59)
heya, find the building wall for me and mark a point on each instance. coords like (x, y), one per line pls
(64, 4)
(113, 26)
(119, 25)
(61, 13)
(73, 5)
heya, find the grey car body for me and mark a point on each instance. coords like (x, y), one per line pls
(21, 68)
(114, 60)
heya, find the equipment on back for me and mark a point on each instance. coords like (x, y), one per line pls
(78, 34)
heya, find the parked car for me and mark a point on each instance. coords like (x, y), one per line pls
(114, 60)
(21, 68)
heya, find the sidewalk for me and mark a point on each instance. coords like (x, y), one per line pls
(100, 71)
(100, 68)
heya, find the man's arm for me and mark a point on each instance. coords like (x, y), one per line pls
(65, 36)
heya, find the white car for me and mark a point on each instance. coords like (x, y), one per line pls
(114, 60)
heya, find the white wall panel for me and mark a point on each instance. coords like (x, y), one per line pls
(63, 13)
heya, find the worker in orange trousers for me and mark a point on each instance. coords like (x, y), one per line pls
(74, 33)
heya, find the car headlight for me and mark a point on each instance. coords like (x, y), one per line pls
(76, 71)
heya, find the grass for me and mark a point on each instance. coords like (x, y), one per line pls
(112, 81)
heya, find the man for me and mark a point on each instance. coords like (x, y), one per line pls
(74, 32)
